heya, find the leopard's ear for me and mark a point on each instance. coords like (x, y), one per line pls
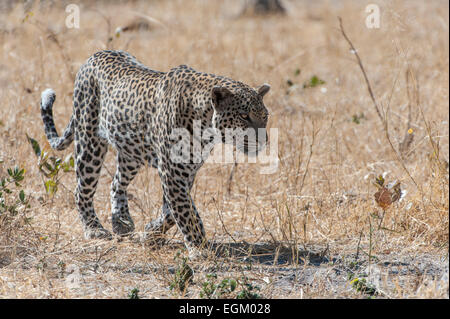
(219, 94)
(263, 89)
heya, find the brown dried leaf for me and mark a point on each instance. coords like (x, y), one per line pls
(383, 198)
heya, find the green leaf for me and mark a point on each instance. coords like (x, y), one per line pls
(233, 284)
(68, 163)
(379, 180)
(49, 167)
(357, 118)
(313, 82)
(51, 187)
(22, 196)
(34, 145)
(57, 162)
(18, 174)
(134, 294)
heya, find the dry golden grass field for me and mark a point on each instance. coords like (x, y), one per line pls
(312, 228)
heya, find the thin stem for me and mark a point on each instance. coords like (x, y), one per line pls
(362, 69)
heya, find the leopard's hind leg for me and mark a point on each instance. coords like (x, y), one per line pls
(90, 151)
(127, 169)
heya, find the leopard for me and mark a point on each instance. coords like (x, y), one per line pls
(122, 104)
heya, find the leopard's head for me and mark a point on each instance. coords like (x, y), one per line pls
(241, 116)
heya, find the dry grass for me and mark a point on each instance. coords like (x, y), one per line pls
(320, 199)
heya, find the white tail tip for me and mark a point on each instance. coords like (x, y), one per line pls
(47, 98)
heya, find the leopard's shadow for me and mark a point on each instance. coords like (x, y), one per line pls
(275, 254)
(269, 253)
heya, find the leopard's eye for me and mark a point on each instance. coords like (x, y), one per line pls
(245, 116)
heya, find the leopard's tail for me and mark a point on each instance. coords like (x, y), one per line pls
(56, 142)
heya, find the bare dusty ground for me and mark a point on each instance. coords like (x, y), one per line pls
(312, 228)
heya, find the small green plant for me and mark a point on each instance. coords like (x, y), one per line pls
(183, 274)
(209, 287)
(249, 291)
(313, 82)
(211, 290)
(134, 294)
(361, 285)
(50, 166)
(357, 118)
(227, 288)
(12, 196)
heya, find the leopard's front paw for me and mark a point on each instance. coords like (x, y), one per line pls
(123, 226)
(97, 233)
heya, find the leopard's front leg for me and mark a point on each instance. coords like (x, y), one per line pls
(176, 184)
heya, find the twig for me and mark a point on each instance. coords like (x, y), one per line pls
(362, 69)
(230, 179)
(409, 135)
(300, 153)
(357, 248)
(50, 35)
(221, 220)
(311, 146)
(109, 35)
(383, 120)
(99, 257)
(370, 242)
